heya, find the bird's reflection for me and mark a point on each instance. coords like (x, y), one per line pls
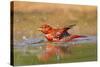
(51, 50)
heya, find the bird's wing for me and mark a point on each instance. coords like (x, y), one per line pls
(69, 27)
(64, 31)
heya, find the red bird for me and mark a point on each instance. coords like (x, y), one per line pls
(58, 35)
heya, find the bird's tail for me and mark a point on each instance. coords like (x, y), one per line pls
(78, 36)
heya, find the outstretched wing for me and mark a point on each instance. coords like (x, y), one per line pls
(69, 27)
(64, 32)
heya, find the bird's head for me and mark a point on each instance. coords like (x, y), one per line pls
(45, 28)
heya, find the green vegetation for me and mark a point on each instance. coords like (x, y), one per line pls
(83, 52)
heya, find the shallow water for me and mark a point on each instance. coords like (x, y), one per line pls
(35, 45)
(36, 42)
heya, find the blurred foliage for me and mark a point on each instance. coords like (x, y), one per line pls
(29, 16)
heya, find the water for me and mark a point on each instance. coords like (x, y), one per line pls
(36, 42)
(36, 46)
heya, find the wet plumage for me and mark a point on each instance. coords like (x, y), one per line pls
(56, 35)
(59, 34)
